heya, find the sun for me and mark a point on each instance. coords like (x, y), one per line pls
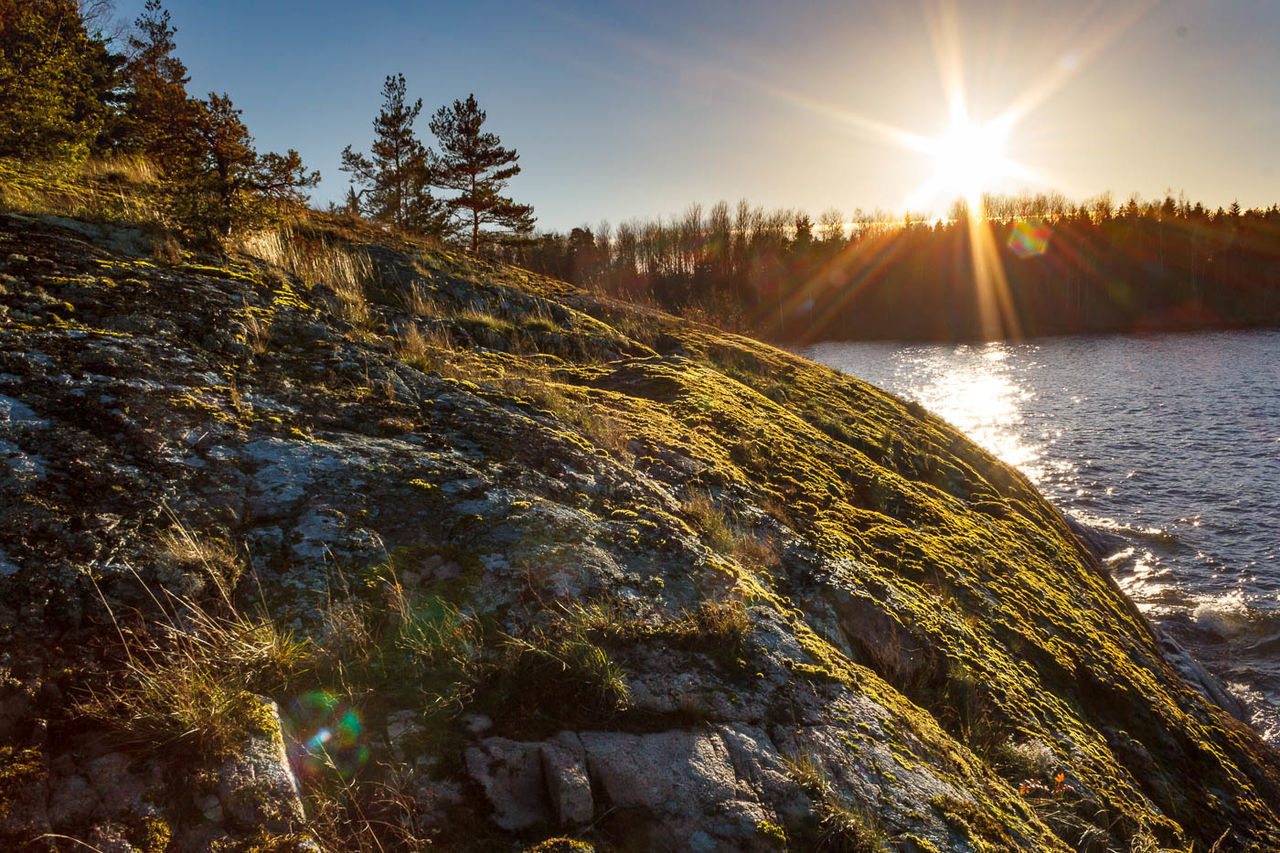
(969, 159)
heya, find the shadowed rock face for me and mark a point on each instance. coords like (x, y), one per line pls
(562, 567)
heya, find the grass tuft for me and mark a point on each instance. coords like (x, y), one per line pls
(842, 826)
(727, 537)
(190, 682)
(426, 349)
(317, 262)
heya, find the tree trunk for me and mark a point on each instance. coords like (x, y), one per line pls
(475, 220)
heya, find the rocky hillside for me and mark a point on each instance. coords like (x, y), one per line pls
(351, 543)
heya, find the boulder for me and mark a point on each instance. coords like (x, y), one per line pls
(568, 786)
(256, 786)
(511, 774)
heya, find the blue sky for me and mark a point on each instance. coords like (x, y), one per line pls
(635, 110)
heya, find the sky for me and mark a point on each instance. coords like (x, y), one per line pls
(636, 110)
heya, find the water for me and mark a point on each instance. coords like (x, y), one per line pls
(1167, 446)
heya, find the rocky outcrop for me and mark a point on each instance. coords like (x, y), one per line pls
(516, 562)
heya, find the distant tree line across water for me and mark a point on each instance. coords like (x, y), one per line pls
(1028, 265)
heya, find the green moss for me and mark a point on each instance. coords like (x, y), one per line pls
(772, 834)
(912, 843)
(561, 845)
(255, 717)
(19, 769)
(216, 272)
(977, 823)
(152, 834)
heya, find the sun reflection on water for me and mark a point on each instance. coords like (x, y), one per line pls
(975, 390)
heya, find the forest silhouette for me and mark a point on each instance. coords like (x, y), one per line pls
(1024, 266)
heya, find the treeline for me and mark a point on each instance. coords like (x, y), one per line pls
(1026, 265)
(70, 91)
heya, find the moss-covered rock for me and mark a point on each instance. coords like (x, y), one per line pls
(446, 504)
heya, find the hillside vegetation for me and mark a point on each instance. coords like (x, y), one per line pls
(341, 538)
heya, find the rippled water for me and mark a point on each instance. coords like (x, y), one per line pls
(1169, 446)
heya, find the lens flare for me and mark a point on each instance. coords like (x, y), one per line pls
(1028, 239)
(328, 735)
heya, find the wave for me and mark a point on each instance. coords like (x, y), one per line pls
(1233, 617)
(1122, 532)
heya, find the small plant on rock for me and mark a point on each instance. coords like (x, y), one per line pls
(842, 826)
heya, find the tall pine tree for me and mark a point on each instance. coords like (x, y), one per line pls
(160, 117)
(475, 165)
(395, 180)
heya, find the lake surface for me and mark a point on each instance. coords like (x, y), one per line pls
(1168, 446)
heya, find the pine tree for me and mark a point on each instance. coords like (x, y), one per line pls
(224, 184)
(160, 117)
(49, 80)
(395, 180)
(475, 165)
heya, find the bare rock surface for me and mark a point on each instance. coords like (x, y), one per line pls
(512, 778)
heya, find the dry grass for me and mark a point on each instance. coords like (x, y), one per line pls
(532, 382)
(758, 551)
(190, 681)
(108, 190)
(392, 640)
(121, 168)
(314, 262)
(725, 621)
(353, 306)
(416, 299)
(204, 558)
(486, 319)
(189, 676)
(439, 643)
(368, 816)
(166, 250)
(557, 677)
(427, 350)
(604, 430)
(257, 330)
(541, 320)
(842, 826)
(709, 520)
(1144, 842)
(718, 627)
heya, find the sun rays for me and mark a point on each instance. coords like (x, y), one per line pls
(990, 106)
